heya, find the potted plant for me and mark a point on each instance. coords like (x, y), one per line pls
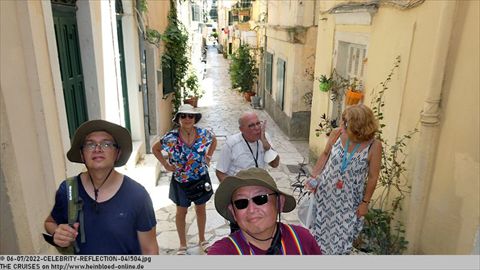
(354, 94)
(192, 91)
(243, 71)
(383, 232)
(325, 83)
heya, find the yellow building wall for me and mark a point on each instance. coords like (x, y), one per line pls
(452, 216)
(453, 199)
(157, 18)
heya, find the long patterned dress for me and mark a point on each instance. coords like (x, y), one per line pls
(336, 224)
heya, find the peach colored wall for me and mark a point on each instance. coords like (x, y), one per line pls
(158, 19)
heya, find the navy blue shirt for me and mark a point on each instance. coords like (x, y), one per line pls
(112, 227)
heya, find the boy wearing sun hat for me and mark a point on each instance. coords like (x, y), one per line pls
(117, 215)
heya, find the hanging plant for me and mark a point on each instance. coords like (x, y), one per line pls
(325, 83)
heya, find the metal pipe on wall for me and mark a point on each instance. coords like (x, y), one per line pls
(429, 129)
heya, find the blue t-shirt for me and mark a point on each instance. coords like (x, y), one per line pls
(112, 227)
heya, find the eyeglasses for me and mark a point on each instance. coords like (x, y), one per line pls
(185, 115)
(257, 124)
(258, 200)
(91, 146)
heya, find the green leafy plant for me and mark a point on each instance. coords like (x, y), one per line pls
(192, 88)
(325, 83)
(175, 58)
(143, 7)
(383, 233)
(153, 36)
(243, 71)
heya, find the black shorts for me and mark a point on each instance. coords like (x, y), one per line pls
(179, 197)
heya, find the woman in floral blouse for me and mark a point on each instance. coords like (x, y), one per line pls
(189, 150)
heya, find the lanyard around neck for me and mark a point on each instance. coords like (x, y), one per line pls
(346, 160)
(255, 158)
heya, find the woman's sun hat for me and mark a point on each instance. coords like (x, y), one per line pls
(187, 109)
(249, 177)
(120, 134)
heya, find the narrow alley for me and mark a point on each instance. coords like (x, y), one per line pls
(221, 108)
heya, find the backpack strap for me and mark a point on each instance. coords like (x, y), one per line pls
(295, 237)
(75, 208)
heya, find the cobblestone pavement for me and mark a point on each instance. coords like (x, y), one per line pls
(221, 107)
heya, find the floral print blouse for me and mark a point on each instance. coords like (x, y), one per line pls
(189, 161)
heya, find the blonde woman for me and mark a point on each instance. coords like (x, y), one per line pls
(347, 172)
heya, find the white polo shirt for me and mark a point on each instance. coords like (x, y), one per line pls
(236, 155)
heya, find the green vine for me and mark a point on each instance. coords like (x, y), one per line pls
(153, 36)
(383, 233)
(143, 7)
(175, 38)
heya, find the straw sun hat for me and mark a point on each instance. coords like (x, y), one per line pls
(188, 109)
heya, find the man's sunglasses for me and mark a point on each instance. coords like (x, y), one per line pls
(258, 200)
(185, 115)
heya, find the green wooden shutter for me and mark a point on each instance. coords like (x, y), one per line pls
(268, 68)
(66, 34)
(123, 72)
(280, 82)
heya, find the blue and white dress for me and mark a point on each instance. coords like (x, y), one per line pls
(336, 223)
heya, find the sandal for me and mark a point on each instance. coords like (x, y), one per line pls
(205, 245)
(182, 251)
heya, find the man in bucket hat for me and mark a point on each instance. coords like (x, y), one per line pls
(252, 199)
(118, 215)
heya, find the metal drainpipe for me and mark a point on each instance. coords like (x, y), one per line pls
(264, 59)
(143, 86)
(429, 129)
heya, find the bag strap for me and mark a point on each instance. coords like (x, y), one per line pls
(75, 208)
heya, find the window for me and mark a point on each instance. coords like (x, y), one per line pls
(195, 13)
(268, 71)
(280, 81)
(351, 55)
(168, 77)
